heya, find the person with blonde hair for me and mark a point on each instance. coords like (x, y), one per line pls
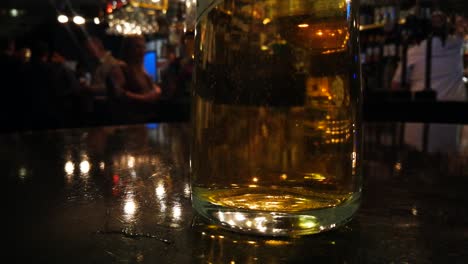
(132, 85)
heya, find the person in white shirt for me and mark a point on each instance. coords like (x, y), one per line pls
(106, 63)
(446, 80)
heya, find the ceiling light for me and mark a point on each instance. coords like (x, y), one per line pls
(79, 20)
(62, 19)
(14, 12)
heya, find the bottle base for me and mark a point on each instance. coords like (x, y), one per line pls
(278, 223)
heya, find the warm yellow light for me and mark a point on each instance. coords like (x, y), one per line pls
(316, 176)
(131, 162)
(277, 242)
(97, 21)
(266, 21)
(284, 176)
(319, 33)
(303, 25)
(255, 179)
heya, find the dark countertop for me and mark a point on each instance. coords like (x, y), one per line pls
(122, 195)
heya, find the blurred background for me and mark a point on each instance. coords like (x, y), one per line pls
(66, 63)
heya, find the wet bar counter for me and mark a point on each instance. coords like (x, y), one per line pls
(121, 194)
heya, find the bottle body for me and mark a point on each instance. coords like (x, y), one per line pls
(276, 115)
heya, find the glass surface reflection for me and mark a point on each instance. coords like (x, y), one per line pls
(109, 180)
(221, 246)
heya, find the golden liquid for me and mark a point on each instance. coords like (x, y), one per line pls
(276, 106)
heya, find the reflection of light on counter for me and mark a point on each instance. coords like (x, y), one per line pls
(84, 166)
(69, 167)
(176, 212)
(303, 25)
(398, 166)
(160, 190)
(187, 190)
(22, 173)
(162, 206)
(129, 208)
(131, 162)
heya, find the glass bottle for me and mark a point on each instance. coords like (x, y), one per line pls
(276, 115)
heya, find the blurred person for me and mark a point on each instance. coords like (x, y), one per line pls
(106, 62)
(65, 88)
(131, 85)
(446, 80)
(170, 76)
(447, 63)
(94, 95)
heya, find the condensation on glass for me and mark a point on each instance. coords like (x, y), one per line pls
(276, 115)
